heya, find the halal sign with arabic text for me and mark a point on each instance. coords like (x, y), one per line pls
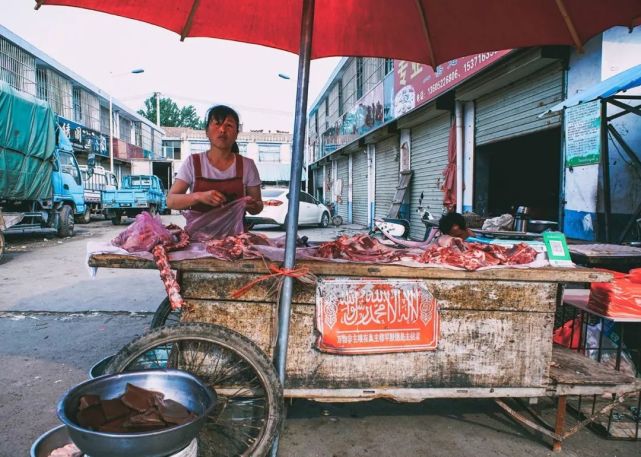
(364, 316)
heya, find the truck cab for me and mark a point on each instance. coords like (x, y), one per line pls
(137, 193)
(95, 180)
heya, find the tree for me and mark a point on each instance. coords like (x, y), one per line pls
(171, 115)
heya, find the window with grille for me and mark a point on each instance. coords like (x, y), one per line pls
(340, 97)
(359, 77)
(77, 105)
(171, 149)
(389, 65)
(269, 152)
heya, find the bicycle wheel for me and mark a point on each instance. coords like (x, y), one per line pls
(164, 315)
(250, 397)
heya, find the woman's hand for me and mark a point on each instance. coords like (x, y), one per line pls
(211, 197)
(254, 206)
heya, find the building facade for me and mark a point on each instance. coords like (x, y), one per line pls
(376, 118)
(271, 151)
(82, 108)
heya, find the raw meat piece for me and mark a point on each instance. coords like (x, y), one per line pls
(472, 256)
(113, 409)
(88, 400)
(140, 399)
(173, 412)
(360, 248)
(69, 450)
(236, 247)
(91, 417)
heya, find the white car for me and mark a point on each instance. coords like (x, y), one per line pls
(276, 201)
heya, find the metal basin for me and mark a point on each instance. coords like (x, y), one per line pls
(176, 385)
(49, 441)
(100, 368)
(539, 226)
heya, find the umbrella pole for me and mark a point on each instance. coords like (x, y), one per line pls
(300, 124)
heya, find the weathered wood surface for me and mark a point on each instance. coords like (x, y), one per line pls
(547, 274)
(450, 294)
(476, 349)
(570, 367)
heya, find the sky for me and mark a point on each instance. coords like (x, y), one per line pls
(202, 72)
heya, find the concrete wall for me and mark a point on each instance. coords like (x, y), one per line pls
(614, 51)
(621, 51)
(581, 182)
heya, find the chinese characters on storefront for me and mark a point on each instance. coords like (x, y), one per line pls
(84, 138)
(583, 134)
(416, 84)
(355, 316)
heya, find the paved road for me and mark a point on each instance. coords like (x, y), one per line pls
(56, 322)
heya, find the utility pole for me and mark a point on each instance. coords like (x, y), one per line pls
(157, 94)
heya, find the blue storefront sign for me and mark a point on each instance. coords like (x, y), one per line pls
(83, 138)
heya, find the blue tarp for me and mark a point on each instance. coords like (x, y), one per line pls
(618, 83)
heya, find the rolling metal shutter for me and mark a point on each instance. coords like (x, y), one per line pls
(343, 174)
(514, 110)
(359, 188)
(429, 159)
(387, 168)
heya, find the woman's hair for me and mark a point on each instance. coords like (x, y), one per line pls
(448, 221)
(235, 149)
(220, 113)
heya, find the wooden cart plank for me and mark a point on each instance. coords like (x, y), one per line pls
(570, 367)
(450, 294)
(476, 349)
(547, 274)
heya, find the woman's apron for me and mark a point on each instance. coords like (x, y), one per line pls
(205, 221)
(231, 188)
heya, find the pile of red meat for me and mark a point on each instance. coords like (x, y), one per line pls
(236, 247)
(137, 410)
(360, 248)
(148, 234)
(472, 256)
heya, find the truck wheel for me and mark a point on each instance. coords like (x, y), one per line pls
(117, 218)
(84, 218)
(65, 222)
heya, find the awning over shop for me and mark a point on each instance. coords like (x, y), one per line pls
(618, 83)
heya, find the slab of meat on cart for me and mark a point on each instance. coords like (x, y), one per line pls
(472, 256)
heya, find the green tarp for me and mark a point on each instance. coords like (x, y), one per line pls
(27, 144)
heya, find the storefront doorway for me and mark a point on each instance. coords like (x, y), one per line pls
(522, 171)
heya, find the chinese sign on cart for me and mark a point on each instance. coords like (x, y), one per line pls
(356, 316)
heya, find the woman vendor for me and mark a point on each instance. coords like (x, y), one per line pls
(219, 175)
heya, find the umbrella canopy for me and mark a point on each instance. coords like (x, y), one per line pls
(425, 31)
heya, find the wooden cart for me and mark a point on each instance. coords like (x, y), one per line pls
(495, 337)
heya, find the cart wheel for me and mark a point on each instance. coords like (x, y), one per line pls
(164, 315)
(250, 397)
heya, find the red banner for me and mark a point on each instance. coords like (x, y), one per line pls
(364, 316)
(416, 84)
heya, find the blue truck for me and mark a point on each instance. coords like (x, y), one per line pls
(40, 181)
(137, 193)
